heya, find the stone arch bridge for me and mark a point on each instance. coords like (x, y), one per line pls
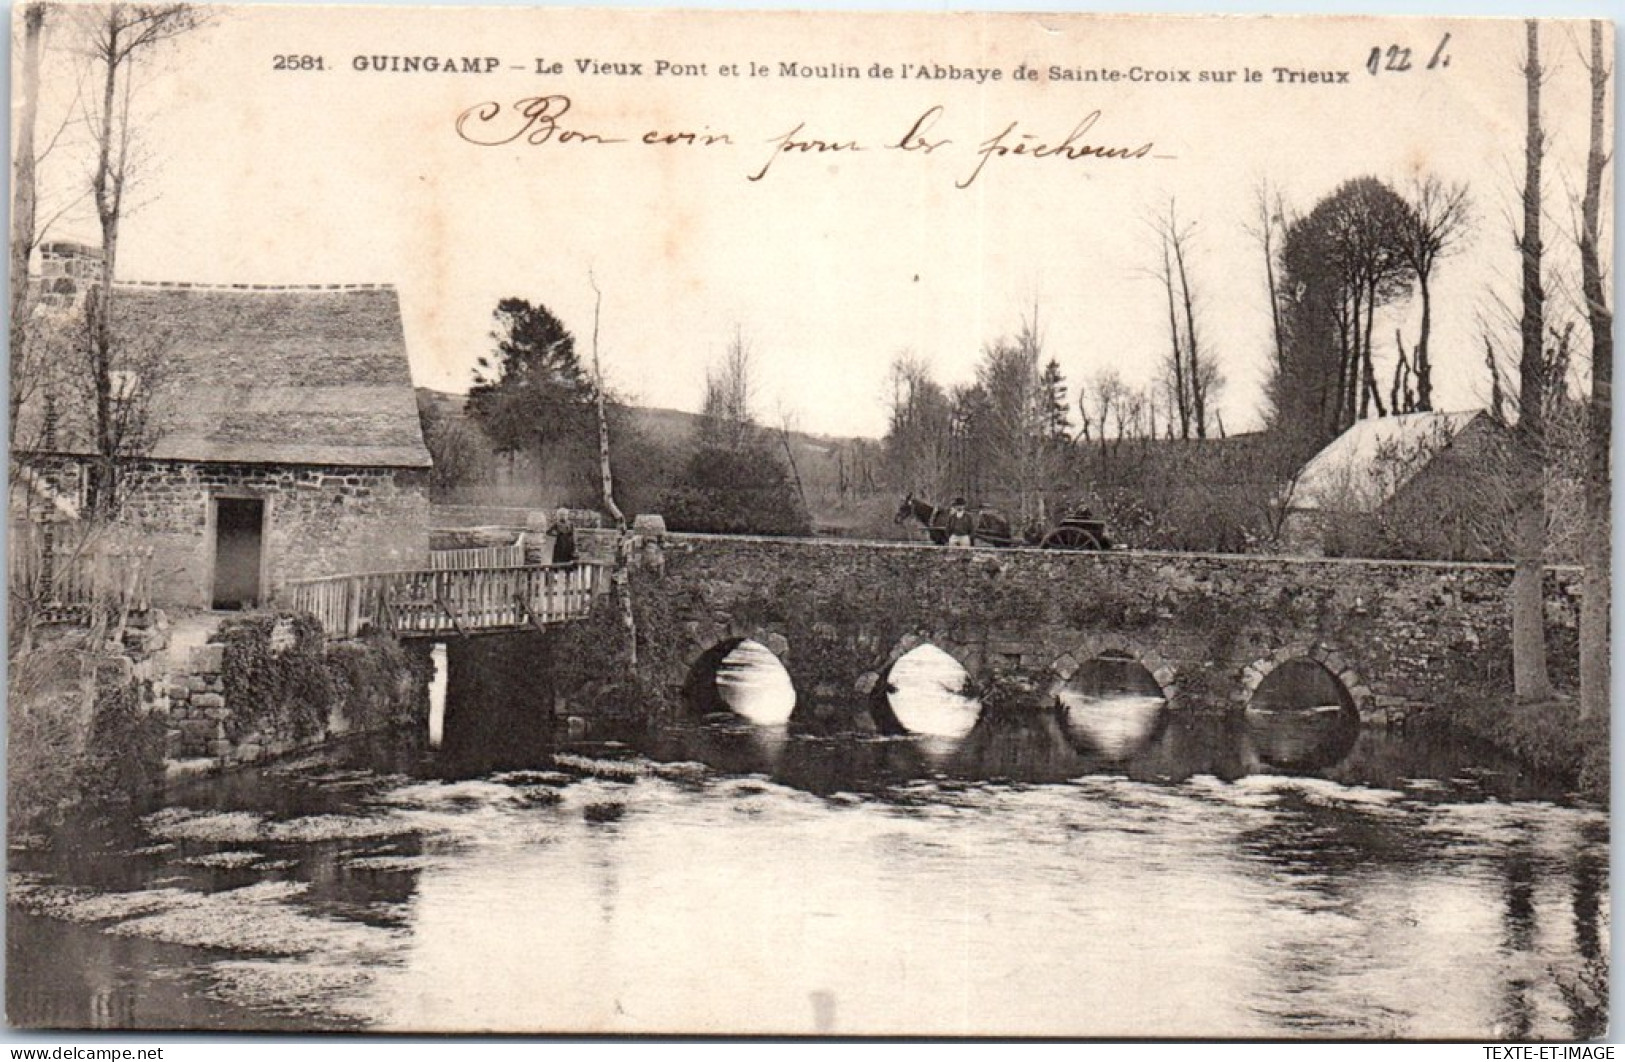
(1397, 636)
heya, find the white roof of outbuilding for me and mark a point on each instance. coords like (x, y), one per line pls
(1360, 470)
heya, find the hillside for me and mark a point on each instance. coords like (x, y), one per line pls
(668, 427)
(837, 474)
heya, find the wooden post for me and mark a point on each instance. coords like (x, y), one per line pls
(352, 608)
(451, 614)
(529, 616)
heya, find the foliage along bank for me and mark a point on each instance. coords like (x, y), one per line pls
(95, 725)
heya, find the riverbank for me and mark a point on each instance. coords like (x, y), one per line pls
(1548, 737)
(98, 723)
(79, 737)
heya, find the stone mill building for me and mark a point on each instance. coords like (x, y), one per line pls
(280, 434)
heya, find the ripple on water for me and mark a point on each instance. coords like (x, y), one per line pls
(395, 863)
(188, 824)
(469, 795)
(230, 860)
(259, 920)
(630, 768)
(242, 827)
(36, 895)
(318, 990)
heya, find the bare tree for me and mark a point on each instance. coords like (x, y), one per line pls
(1168, 233)
(1439, 217)
(118, 39)
(1011, 381)
(35, 356)
(605, 474)
(1194, 376)
(1594, 620)
(919, 437)
(1270, 220)
(730, 390)
(1531, 682)
(786, 427)
(620, 576)
(1110, 396)
(24, 203)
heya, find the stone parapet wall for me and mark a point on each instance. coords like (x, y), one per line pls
(1398, 635)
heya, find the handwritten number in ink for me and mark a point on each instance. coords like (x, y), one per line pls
(1439, 57)
(1396, 59)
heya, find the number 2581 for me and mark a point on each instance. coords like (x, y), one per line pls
(296, 62)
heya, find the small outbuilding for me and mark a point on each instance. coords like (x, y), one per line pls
(279, 436)
(1419, 485)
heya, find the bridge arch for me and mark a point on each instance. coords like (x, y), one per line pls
(1303, 709)
(878, 685)
(1351, 690)
(968, 657)
(1117, 647)
(701, 692)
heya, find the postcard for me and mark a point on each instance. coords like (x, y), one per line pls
(585, 521)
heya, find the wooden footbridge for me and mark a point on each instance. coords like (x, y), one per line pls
(446, 601)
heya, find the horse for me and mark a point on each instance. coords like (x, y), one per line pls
(992, 526)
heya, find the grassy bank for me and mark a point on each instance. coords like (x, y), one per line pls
(1548, 737)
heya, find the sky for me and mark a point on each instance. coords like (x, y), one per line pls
(830, 263)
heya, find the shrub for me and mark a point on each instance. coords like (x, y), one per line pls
(735, 491)
(284, 689)
(78, 740)
(367, 676)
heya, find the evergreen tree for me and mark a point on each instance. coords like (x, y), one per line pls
(1057, 417)
(532, 392)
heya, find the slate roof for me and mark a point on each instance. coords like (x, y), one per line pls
(279, 375)
(1363, 468)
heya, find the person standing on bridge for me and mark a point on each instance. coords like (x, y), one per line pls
(960, 525)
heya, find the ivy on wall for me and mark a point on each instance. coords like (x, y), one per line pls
(278, 685)
(282, 678)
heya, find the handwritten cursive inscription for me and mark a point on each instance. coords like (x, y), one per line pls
(916, 139)
(540, 120)
(806, 145)
(1072, 147)
(535, 118)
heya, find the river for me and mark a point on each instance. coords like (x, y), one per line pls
(1106, 870)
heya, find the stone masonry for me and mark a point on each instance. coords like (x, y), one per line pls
(197, 709)
(1209, 628)
(318, 521)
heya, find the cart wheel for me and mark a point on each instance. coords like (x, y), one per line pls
(1070, 538)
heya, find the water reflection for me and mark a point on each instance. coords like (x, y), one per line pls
(1113, 728)
(723, 875)
(1298, 739)
(924, 694)
(439, 685)
(752, 682)
(1113, 708)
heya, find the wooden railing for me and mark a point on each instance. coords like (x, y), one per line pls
(480, 557)
(79, 578)
(453, 601)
